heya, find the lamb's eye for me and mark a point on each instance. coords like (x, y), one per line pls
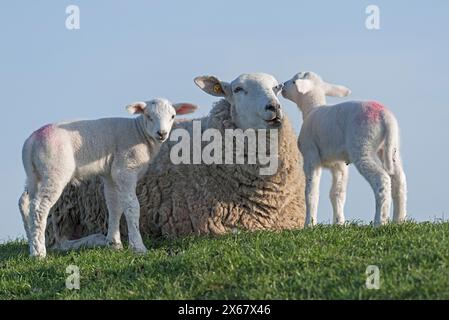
(173, 116)
(238, 89)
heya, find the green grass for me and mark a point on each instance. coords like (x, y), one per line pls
(326, 262)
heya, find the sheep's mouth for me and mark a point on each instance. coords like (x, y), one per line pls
(275, 122)
(160, 139)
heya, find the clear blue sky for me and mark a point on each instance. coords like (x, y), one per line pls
(133, 50)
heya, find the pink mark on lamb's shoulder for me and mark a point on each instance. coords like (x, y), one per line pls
(372, 111)
(44, 132)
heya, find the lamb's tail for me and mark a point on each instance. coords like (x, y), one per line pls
(391, 145)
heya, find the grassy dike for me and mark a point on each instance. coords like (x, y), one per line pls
(326, 262)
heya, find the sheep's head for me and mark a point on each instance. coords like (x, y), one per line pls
(253, 98)
(307, 83)
(158, 115)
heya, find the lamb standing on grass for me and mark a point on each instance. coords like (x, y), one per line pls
(117, 149)
(364, 133)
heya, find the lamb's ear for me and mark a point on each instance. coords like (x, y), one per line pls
(213, 86)
(303, 85)
(184, 108)
(136, 107)
(335, 90)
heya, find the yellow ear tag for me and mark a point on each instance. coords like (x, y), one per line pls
(217, 88)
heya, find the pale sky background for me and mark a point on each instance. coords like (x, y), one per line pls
(135, 50)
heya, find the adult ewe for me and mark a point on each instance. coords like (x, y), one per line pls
(184, 199)
(332, 136)
(117, 149)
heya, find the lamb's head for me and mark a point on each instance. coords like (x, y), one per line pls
(310, 84)
(158, 115)
(253, 99)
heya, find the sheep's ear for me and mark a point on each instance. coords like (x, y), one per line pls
(334, 90)
(136, 107)
(304, 86)
(213, 86)
(184, 108)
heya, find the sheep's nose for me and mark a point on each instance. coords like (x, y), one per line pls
(274, 107)
(162, 134)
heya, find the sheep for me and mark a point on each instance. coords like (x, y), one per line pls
(202, 199)
(364, 133)
(117, 149)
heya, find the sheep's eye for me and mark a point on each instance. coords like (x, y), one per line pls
(278, 87)
(238, 89)
(173, 116)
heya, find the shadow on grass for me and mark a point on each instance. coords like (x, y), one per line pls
(173, 246)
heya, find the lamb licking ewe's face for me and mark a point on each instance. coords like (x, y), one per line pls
(253, 98)
(158, 115)
(309, 82)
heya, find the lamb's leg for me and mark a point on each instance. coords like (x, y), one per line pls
(24, 205)
(399, 193)
(132, 213)
(47, 193)
(312, 172)
(380, 182)
(90, 241)
(114, 214)
(126, 183)
(338, 191)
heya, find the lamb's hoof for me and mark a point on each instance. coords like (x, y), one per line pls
(97, 239)
(115, 245)
(378, 224)
(140, 250)
(309, 225)
(38, 255)
(399, 220)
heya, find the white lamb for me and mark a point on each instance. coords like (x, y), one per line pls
(333, 136)
(117, 149)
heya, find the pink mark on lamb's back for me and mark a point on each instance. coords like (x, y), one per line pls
(372, 111)
(44, 132)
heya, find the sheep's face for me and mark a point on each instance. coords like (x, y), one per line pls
(158, 116)
(304, 83)
(253, 98)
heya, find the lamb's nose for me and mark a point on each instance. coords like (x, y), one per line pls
(272, 107)
(162, 134)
